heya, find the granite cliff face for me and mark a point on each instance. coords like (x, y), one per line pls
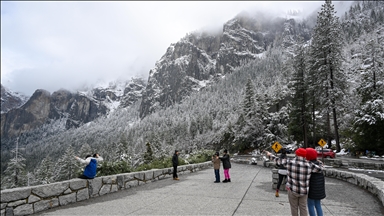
(75, 108)
(43, 107)
(199, 59)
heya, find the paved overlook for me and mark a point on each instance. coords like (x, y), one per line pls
(249, 193)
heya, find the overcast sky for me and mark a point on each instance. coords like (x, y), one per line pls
(66, 44)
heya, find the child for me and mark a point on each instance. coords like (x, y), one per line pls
(226, 165)
(216, 166)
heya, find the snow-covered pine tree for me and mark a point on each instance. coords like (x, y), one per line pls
(14, 175)
(248, 124)
(299, 114)
(369, 119)
(45, 171)
(85, 150)
(66, 167)
(327, 67)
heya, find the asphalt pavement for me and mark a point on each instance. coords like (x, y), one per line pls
(249, 193)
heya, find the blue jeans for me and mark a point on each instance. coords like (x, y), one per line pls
(312, 205)
(217, 175)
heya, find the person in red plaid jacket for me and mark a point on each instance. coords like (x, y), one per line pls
(298, 174)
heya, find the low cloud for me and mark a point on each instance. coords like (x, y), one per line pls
(54, 45)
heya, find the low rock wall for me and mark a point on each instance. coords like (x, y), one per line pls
(30, 200)
(371, 184)
(354, 164)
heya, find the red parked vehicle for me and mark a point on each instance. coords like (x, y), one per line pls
(328, 153)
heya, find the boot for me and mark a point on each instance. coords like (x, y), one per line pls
(229, 180)
(225, 181)
(277, 193)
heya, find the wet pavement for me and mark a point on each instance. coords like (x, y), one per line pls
(249, 193)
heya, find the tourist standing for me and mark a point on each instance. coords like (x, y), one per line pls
(298, 174)
(175, 163)
(226, 165)
(282, 171)
(216, 166)
(316, 186)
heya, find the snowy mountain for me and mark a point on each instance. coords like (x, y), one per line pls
(116, 95)
(72, 109)
(11, 100)
(199, 58)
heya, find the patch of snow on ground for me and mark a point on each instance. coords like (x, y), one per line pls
(365, 170)
(260, 55)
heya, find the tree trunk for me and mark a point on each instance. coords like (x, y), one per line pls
(338, 148)
(304, 122)
(329, 137)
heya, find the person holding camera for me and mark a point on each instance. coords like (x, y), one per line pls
(216, 166)
(282, 171)
(91, 165)
(226, 165)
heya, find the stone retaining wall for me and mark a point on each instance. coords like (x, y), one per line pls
(354, 164)
(371, 184)
(30, 200)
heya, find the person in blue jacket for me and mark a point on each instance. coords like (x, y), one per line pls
(91, 165)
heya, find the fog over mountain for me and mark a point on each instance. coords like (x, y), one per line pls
(54, 45)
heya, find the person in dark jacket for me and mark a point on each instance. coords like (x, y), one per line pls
(316, 186)
(226, 165)
(91, 165)
(175, 163)
(282, 171)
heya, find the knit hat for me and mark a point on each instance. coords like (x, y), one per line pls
(301, 152)
(311, 154)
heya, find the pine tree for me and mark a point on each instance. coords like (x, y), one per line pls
(148, 155)
(44, 173)
(67, 168)
(299, 115)
(248, 125)
(15, 175)
(85, 150)
(369, 121)
(327, 66)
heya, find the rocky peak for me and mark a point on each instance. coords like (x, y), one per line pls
(11, 100)
(200, 58)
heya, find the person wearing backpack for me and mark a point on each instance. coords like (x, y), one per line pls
(91, 165)
(299, 172)
(316, 186)
(282, 171)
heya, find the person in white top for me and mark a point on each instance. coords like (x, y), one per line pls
(91, 165)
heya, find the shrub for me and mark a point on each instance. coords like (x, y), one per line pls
(111, 168)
